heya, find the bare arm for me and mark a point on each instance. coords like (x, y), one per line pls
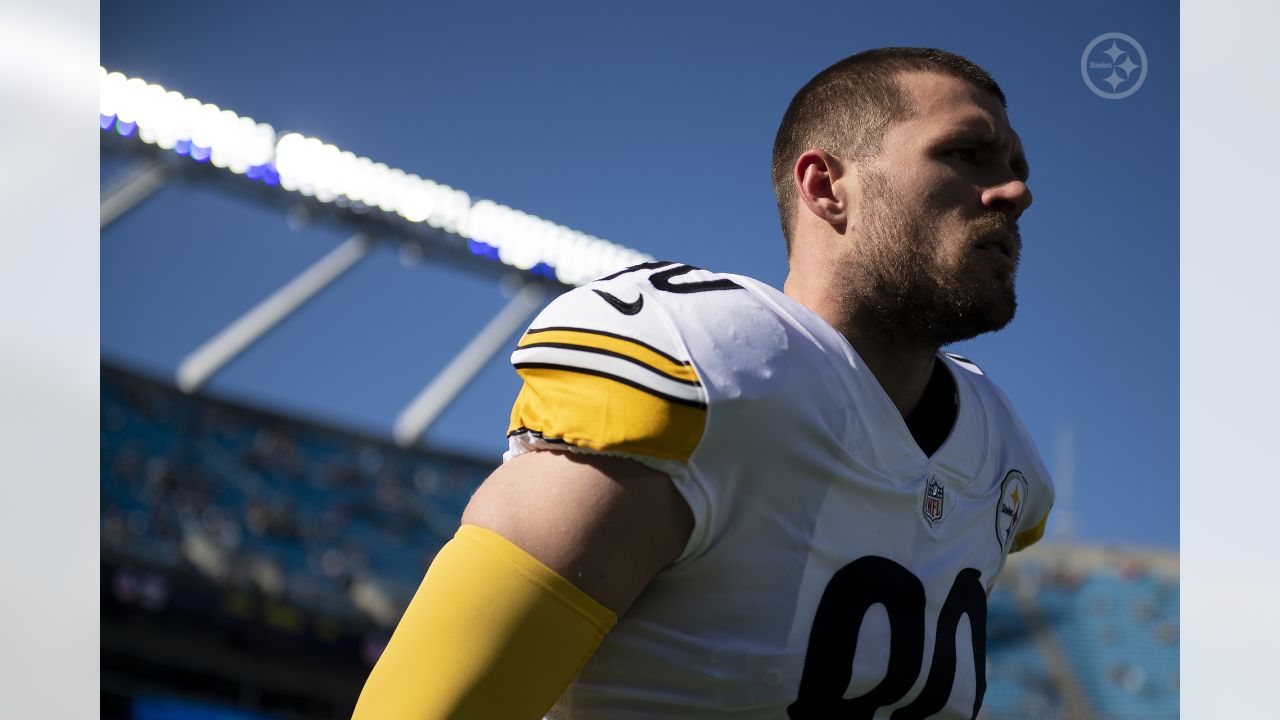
(606, 524)
(501, 625)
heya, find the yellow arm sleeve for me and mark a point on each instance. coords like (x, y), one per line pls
(491, 633)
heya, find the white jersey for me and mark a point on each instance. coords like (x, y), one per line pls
(834, 570)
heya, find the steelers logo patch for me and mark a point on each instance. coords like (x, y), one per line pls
(1013, 497)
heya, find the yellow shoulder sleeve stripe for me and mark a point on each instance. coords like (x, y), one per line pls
(491, 633)
(1030, 536)
(600, 413)
(611, 344)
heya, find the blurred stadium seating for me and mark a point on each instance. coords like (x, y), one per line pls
(253, 567)
(254, 538)
(1106, 626)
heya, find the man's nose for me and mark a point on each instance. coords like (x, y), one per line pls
(1012, 196)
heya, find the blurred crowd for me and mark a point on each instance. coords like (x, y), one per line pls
(331, 522)
(1106, 623)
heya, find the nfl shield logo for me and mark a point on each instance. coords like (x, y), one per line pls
(933, 499)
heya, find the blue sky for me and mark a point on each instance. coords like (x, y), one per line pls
(651, 126)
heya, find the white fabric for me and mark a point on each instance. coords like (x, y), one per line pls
(804, 467)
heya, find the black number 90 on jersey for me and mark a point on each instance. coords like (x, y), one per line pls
(833, 642)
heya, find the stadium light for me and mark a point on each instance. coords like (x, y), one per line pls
(310, 167)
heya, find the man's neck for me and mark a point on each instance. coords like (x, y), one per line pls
(902, 368)
(901, 365)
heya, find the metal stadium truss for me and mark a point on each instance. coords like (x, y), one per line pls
(172, 135)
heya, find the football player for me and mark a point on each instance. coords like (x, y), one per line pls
(722, 500)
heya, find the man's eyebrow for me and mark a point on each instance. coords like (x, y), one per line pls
(980, 132)
(972, 126)
(970, 132)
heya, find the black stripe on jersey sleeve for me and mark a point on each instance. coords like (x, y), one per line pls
(630, 383)
(604, 333)
(610, 353)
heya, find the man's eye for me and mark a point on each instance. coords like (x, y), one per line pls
(964, 154)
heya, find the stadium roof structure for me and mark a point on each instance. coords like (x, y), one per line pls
(171, 136)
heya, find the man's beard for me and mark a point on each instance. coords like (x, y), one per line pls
(911, 291)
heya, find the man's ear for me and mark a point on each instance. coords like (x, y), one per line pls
(816, 175)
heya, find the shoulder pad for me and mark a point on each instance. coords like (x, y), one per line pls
(604, 370)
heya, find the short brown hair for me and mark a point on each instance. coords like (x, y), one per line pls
(846, 109)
